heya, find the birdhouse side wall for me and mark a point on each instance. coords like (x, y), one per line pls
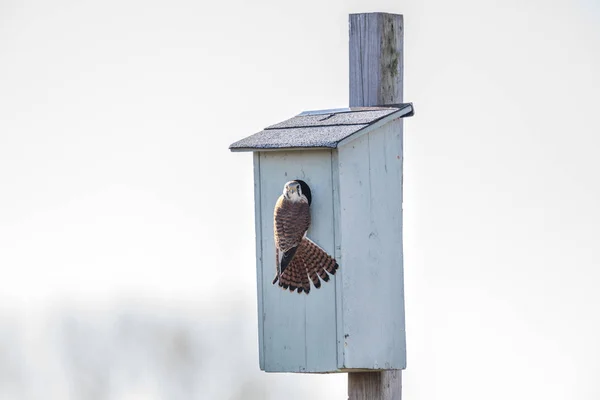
(297, 332)
(372, 295)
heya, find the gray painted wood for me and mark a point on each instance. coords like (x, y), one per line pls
(259, 255)
(370, 179)
(338, 255)
(299, 331)
(376, 78)
(355, 321)
(385, 239)
(386, 385)
(368, 130)
(376, 59)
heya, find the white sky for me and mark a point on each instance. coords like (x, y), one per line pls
(116, 184)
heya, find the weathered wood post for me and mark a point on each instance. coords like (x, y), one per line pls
(376, 78)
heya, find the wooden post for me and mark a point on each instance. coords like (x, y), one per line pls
(384, 385)
(376, 59)
(376, 78)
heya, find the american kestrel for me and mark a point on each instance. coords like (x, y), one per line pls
(298, 258)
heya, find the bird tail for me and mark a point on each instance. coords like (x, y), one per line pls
(318, 262)
(310, 261)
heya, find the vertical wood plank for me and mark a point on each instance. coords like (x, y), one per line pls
(376, 59)
(376, 78)
(359, 301)
(386, 385)
(259, 257)
(283, 312)
(339, 308)
(385, 155)
(321, 333)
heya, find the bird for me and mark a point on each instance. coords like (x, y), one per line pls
(298, 258)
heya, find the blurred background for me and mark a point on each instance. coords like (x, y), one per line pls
(126, 226)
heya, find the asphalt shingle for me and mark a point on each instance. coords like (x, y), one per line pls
(319, 129)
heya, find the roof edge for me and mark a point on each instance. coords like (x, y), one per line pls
(407, 111)
(403, 110)
(253, 149)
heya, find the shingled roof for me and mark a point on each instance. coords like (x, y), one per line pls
(321, 129)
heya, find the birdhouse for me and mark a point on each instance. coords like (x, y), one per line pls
(351, 161)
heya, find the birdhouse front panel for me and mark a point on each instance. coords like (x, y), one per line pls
(297, 332)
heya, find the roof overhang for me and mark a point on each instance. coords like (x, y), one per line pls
(322, 129)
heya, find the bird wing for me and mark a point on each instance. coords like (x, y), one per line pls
(291, 221)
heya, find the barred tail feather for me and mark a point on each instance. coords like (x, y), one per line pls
(318, 261)
(294, 277)
(309, 262)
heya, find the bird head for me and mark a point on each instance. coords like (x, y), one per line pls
(296, 190)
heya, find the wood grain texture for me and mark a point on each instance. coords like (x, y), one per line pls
(385, 385)
(321, 330)
(385, 164)
(376, 78)
(337, 212)
(299, 331)
(259, 256)
(370, 179)
(376, 59)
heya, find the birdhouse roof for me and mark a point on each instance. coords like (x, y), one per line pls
(323, 129)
